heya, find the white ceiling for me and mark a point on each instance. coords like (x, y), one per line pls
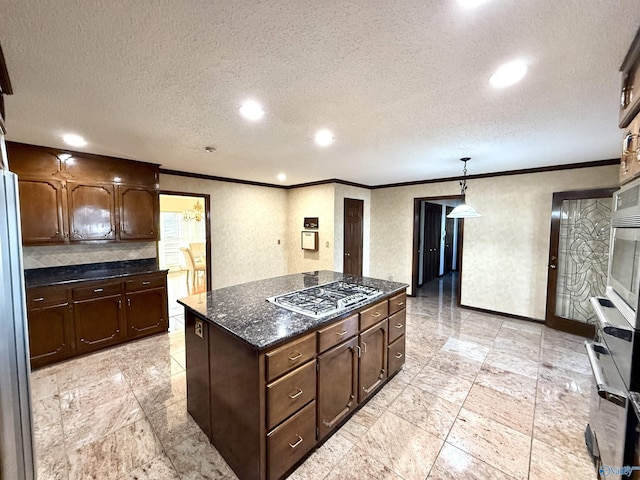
(403, 84)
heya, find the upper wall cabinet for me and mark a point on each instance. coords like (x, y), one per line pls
(630, 90)
(69, 197)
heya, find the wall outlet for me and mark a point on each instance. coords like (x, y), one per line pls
(391, 278)
(199, 328)
(278, 241)
(327, 244)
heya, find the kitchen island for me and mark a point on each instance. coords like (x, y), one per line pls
(268, 385)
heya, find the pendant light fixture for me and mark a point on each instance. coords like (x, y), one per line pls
(464, 210)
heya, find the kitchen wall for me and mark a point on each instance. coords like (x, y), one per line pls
(246, 223)
(60, 255)
(314, 201)
(505, 252)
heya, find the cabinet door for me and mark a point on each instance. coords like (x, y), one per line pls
(99, 322)
(91, 211)
(41, 212)
(146, 312)
(373, 359)
(49, 334)
(139, 213)
(337, 380)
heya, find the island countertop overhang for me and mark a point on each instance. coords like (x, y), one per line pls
(243, 310)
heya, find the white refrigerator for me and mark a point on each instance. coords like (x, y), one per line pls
(16, 438)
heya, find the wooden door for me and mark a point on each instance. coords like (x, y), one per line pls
(449, 226)
(578, 258)
(337, 384)
(431, 249)
(146, 312)
(41, 207)
(91, 211)
(353, 219)
(139, 210)
(99, 322)
(49, 334)
(372, 369)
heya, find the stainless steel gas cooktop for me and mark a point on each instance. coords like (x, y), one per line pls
(327, 299)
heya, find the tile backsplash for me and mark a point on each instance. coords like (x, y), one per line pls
(59, 255)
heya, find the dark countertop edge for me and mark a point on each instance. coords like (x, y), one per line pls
(40, 277)
(325, 322)
(635, 401)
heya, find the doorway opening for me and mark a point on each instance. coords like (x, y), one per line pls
(185, 245)
(437, 240)
(353, 229)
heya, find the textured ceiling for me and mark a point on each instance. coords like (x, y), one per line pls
(403, 84)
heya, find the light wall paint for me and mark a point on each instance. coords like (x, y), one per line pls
(314, 201)
(246, 223)
(505, 252)
(178, 203)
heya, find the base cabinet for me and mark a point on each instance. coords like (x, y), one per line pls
(337, 385)
(289, 398)
(99, 323)
(50, 334)
(68, 321)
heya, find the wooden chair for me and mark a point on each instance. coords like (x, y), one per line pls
(198, 253)
(196, 272)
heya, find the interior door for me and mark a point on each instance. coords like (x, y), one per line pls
(578, 258)
(449, 227)
(432, 231)
(353, 219)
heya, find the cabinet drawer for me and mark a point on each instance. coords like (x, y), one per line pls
(290, 356)
(290, 393)
(397, 325)
(145, 282)
(397, 303)
(43, 296)
(334, 334)
(373, 315)
(96, 290)
(396, 355)
(289, 442)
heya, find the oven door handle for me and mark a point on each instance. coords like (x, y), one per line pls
(604, 391)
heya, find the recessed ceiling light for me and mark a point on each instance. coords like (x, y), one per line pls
(508, 74)
(74, 140)
(471, 3)
(324, 138)
(251, 110)
(282, 177)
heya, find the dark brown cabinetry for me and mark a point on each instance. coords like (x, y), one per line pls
(50, 325)
(337, 385)
(66, 321)
(630, 90)
(77, 197)
(289, 398)
(372, 368)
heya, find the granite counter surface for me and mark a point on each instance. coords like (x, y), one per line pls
(243, 310)
(39, 277)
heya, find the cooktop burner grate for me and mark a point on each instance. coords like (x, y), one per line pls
(326, 299)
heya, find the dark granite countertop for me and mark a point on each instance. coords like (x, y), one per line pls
(635, 401)
(39, 277)
(244, 311)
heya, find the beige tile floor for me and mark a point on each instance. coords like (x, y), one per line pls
(480, 397)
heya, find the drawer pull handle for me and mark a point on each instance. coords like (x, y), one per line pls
(398, 355)
(39, 299)
(400, 304)
(341, 332)
(146, 283)
(377, 314)
(98, 290)
(296, 395)
(364, 345)
(399, 325)
(295, 357)
(294, 445)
